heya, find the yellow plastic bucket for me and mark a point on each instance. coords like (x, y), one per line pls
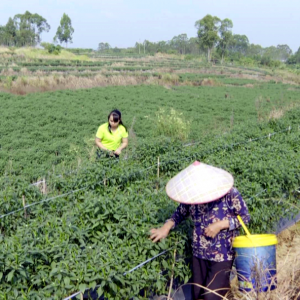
(256, 262)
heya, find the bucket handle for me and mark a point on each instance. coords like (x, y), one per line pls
(243, 225)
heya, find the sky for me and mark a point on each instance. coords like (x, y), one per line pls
(122, 23)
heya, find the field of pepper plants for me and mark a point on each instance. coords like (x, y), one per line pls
(90, 227)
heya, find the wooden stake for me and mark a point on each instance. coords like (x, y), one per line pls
(24, 205)
(104, 181)
(269, 136)
(172, 276)
(157, 183)
(81, 296)
(44, 186)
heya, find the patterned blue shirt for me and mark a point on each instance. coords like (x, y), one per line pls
(228, 207)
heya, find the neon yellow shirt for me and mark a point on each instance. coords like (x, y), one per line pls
(111, 141)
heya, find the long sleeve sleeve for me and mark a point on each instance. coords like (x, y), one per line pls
(181, 213)
(239, 207)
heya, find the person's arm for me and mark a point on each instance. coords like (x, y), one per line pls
(239, 208)
(179, 215)
(123, 145)
(213, 229)
(99, 137)
(100, 145)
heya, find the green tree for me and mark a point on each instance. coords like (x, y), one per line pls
(2, 35)
(240, 44)
(255, 51)
(10, 33)
(225, 37)
(294, 59)
(208, 28)
(193, 46)
(162, 46)
(104, 47)
(64, 31)
(284, 52)
(180, 42)
(29, 28)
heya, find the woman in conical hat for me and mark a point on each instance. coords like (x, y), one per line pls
(206, 194)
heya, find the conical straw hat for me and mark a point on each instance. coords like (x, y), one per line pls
(199, 183)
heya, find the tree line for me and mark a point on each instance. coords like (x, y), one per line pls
(26, 30)
(216, 40)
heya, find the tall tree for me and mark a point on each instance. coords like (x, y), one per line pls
(225, 37)
(162, 46)
(294, 59)
(193, 46)
(208, 33)
(179, 42)
(103, 47)
(255, 51)
(284, 52)
(239, 44)
(65, 30)
(10, 33)
(30, 27)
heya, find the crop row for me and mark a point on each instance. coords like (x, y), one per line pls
(273, 175)
(92, 237)
(86, 240)
(56, 129)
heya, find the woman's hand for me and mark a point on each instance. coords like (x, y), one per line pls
(213, 229)
(118, 151)
(158, 234)
(162, 232)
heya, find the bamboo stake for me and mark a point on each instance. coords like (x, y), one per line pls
(24, 205)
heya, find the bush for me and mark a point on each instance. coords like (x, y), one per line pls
(51, 48)
(189, 57)
(247, 61)
(267, 61)
(170, 78)
(172, 51)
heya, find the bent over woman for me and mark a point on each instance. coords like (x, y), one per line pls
(206, 195)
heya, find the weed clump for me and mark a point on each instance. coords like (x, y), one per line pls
(172, 124)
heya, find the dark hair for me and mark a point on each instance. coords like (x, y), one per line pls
(116, 116)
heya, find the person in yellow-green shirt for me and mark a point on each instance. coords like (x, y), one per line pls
(112, 137)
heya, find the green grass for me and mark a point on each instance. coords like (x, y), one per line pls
(34, 53)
